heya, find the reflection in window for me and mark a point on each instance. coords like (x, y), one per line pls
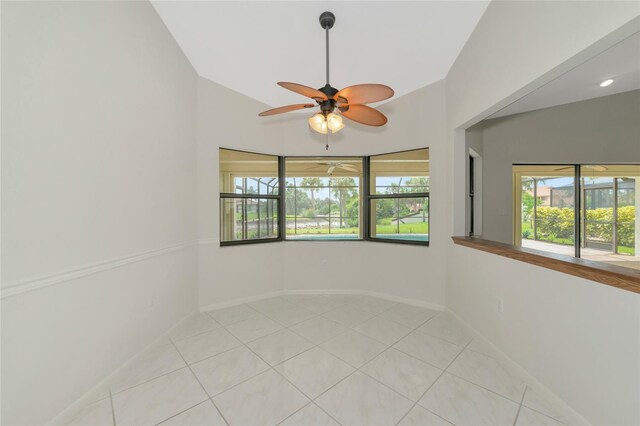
(249, 200)
(248, 218)
(322, 198)
(399, 196)
(547, 220)
(609, 221)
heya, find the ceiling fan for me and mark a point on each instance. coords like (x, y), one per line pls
(587, 166)
(332, 165)
(334, 104)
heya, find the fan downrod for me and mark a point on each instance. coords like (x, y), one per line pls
(327, 19)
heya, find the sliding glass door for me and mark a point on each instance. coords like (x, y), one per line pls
(588, 211)
(545, 208)
(610, 214)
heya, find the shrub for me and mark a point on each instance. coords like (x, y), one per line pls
(554, 222)
(626, 226)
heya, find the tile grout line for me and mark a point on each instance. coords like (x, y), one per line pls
(554, 417)
(305, 406)
(432, 384)
(318, 346)
(317, 315)
(284, 378)
(520, 406)
(181, 412)
(113, 410)
(288, 303)
(312, 400)
(358, 369)
(147, 381)
(203, 388)
(289, 328)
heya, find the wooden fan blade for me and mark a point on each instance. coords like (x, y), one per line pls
(287, 108)
(304, 90)
(563, 168)
(364, 93)
(364, 115)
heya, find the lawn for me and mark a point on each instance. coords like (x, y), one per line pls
(527, 228)
(405, 228)
(626, 250)
(334, 230)
(566, 241)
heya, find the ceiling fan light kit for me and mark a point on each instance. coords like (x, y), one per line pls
(335, 104)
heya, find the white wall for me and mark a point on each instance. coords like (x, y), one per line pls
(416, 120)
(579, 338)
(110, 142)
(604, 130)
(228, 119)
(99, 195)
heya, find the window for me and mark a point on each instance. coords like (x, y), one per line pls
(249, 197)
(266, 198)
(587, 211)
(398, 197)
(323, 198)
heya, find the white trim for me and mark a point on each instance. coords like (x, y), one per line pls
(101, 390)
(531, 380)
(243, 300)
(240, 301)
(413, 302)
(207, 241)
(18, 287)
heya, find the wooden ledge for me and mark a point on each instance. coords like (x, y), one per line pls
(616, 276)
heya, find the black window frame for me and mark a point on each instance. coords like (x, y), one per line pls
(279, 197)
(365, 196)
(370, 197)
(361, 235)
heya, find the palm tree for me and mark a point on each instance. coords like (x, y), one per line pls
(313, 184)
(343, 188)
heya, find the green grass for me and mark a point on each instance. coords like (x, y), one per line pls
(566, 241)
(334, 230)
(405, 228)
(626, 250)
(526, 226)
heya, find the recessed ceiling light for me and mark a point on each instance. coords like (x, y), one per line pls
(606, 83)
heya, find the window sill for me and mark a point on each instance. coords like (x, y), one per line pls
(616, 276)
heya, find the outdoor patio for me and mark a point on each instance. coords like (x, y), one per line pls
(586, 253)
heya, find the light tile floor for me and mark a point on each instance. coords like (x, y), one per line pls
(321, 360)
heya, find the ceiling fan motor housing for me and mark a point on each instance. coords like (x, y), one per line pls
(327, 19)
(326, 107)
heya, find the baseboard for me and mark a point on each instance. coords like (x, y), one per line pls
(413, 302)
(101, 390)
(240, 301)
(576, 418)
(535, 383)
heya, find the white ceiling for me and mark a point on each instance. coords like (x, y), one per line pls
(620, 63)
(249, 46)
